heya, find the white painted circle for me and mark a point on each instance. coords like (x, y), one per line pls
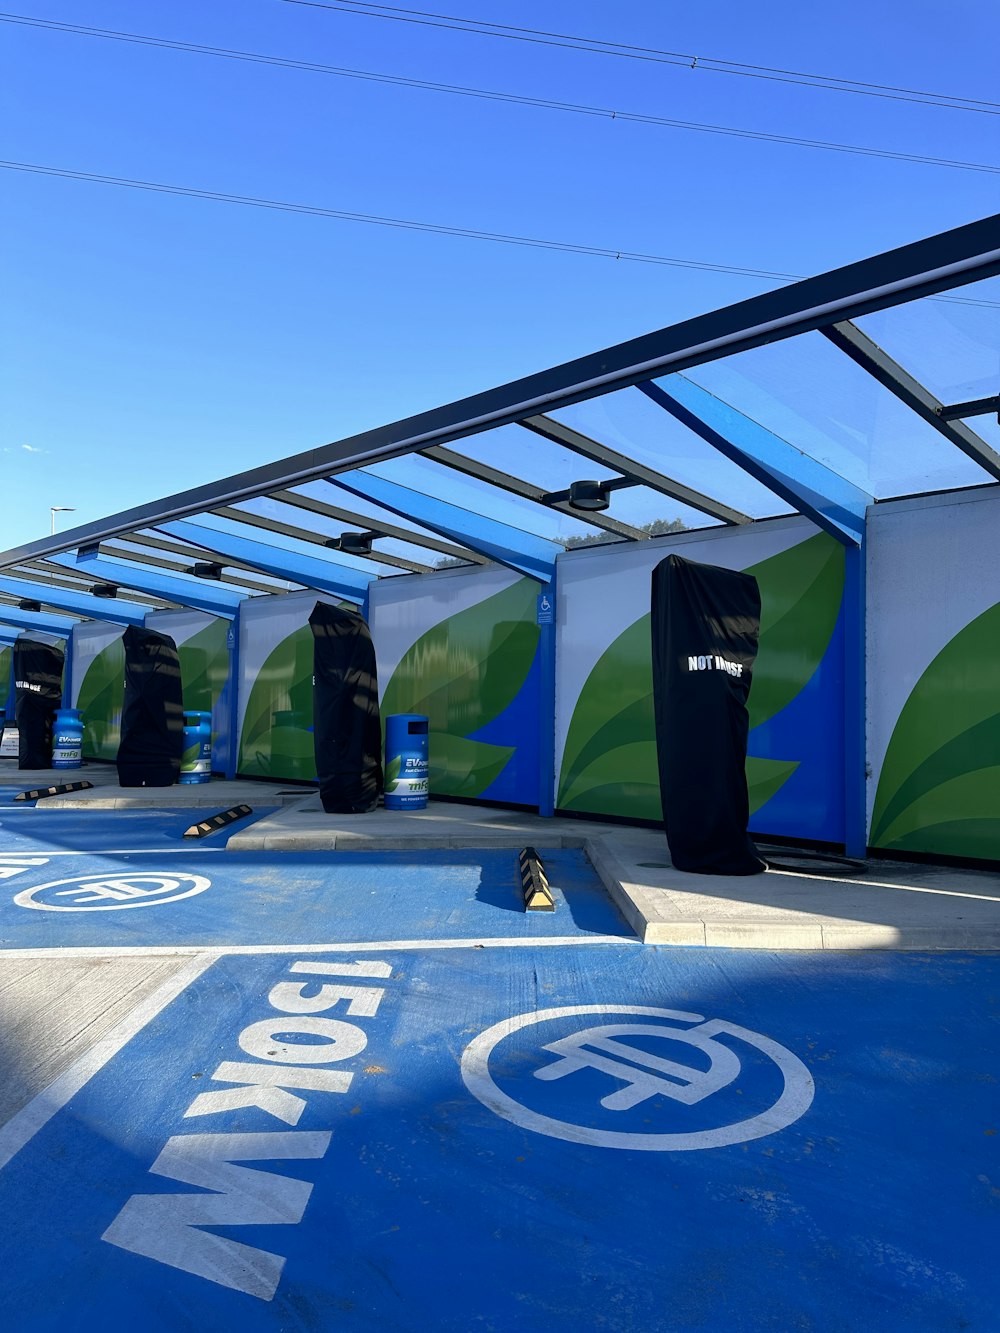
(141, 889)
(795, 1099)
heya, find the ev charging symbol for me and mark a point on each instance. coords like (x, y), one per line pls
(103, 893)
(645, 1075)
(633, 1072)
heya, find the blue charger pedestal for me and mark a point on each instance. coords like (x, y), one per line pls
(67, 738)
(406, 761)
(196, 758)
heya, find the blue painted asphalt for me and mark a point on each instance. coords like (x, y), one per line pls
(358, 1182)
(282, 898)
(34, 830)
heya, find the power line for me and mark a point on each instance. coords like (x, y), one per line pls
(601, 46)
(497, 96)
(436, 228)
(441, 229)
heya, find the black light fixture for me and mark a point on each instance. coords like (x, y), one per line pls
(26, 604)
(207, 570)
(588, 495)
(353, 543)
(108, 590)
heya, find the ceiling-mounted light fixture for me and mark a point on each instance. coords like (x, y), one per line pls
(108, 590)
(588, 495)
(207, 570)
(353, 543)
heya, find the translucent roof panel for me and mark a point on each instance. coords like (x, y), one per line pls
(951, 344)
(321, 528)
(552, 468)
(267, 508)
(373, 515)
(174, 566)
(445, 483)
(813, 396)
(629, 423)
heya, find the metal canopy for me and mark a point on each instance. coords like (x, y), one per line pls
(324, 576)
(861, 349)
(734, 448)
(599, 453)
(78, 604)
(506, 545)
(216, 602)
(34, 620)
(832, 503)
(908, 274)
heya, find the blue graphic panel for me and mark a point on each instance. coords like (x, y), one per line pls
(811, 803)
(517, 726)
(305, 1142)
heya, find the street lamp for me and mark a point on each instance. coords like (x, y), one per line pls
(59, 509)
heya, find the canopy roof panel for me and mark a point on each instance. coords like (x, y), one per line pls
(629, 423)
(811, 395)
(875, 380)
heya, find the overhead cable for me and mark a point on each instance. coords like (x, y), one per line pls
(440, 229)
(495, 95)
(602, 46)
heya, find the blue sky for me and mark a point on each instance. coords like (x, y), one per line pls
(151, 343)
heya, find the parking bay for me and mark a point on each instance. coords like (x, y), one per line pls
(422, 1147)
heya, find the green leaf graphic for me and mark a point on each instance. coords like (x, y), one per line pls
(620, 687)
(609, 761)
(939, 789)
(102, 693)
(275, 740)
(625, 779)
(459, 767)
(461, 674)
(205, 666)
(5, 656)
(392, 772)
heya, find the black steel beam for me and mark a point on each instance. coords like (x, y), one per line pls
(978, 407)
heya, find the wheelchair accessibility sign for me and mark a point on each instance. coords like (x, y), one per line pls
(648, 1079)
(111, 893)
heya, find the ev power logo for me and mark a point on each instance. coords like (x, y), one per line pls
(624, 1076)
(111, 893)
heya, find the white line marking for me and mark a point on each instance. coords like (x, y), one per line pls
(227, 950)
(879, 884)
(23, 1126)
